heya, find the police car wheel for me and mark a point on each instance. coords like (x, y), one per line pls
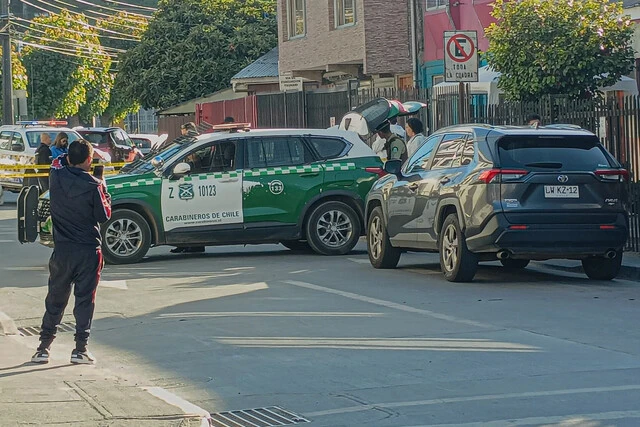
(126, 237)
(333, 228)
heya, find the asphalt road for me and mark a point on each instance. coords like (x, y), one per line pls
(341, 344)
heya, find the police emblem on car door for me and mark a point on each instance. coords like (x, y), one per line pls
(210, 194)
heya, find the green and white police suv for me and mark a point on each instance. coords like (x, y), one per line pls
(302, 188)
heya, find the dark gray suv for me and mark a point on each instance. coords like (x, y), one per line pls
(484, 193)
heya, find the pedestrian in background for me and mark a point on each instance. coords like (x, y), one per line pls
(534, 120)
(60, 146)
(229, 119)
(79, 204)
(43, 157)
(189, 130)
(415, 132)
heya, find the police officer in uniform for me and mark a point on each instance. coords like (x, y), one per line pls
(395, 146)
(79, 204)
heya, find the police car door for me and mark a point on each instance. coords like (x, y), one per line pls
(207, 199)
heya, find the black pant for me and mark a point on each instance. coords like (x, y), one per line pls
(78, 265)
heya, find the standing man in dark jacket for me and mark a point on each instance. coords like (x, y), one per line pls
(79, 203)
(43, 157)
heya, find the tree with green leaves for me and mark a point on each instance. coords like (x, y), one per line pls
(546, 47)
(19, 74)
(67, 67)
(194, 47)
(131, 27)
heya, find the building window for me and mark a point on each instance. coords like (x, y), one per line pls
(345, 11)
(296, 11)
(434, 4)
(437, 80)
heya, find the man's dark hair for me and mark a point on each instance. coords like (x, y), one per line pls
(531, 117)
(189, 126)
(229, 119)
(415, 125)
(393, 120)
(79, 151)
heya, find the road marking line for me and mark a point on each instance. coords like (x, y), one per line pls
(7, 325)
(390, 304)
(187, 407)
(560, 420)
(115, 284)
(391, 405)
(7, 241)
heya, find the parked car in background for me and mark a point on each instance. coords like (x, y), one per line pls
(147, 141)
(18, 144)
(483, 193)
(114, 141)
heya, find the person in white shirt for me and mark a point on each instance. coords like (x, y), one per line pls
(397, 129)
(415, 130)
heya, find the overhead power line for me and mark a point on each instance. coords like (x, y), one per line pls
(100, 15)
(59, 44)
(80, 22)
(66, 40)
(112, 9)
(35, 23)
(153, 9)
(60, 50)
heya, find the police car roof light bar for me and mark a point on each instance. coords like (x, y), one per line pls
(43, 123)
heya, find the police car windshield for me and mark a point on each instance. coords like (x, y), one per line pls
(35, 136)
(144, 165)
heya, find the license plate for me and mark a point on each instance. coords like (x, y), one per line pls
(561, 192)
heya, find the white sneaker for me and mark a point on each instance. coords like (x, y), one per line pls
(82, 358)
(41, 356)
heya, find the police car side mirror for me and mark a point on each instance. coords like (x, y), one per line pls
(157, 162)
(180, 170)
(393, 167)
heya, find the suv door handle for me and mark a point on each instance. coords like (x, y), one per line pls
(230, 180)
(309, 174)
(445, 180)
(413, 186)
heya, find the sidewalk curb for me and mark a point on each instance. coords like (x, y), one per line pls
(626, 272)
(7, 326)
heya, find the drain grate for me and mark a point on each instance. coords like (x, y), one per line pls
(260, 417)
(32, 331)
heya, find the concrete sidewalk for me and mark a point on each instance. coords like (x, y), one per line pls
(59, 393)
(630, 266)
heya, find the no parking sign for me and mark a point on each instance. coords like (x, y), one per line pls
(461, 56)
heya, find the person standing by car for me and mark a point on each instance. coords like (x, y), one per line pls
(43, 157)
(79, 204)
(394, 146)
(415, 129)
(60, 145)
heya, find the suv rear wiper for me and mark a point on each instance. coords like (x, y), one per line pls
(549, 165)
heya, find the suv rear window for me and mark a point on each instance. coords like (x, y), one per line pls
(552, 152)
(328, 148)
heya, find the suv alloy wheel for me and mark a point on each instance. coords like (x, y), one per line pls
(381, 253)
(333, 228)
(457, 262)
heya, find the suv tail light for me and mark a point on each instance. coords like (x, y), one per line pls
(613, 174)
(377, 170)
(491, 175)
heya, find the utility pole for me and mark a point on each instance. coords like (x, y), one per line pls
(7, 80)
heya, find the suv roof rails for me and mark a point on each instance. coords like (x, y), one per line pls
(568, 126)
